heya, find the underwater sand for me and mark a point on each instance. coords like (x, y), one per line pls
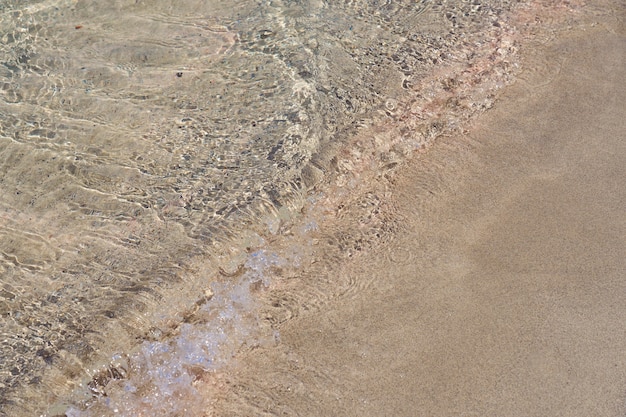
(205, 212)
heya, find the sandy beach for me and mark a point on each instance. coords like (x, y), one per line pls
(503, 292)
(313, 208)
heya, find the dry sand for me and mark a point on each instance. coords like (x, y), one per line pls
(504, 293)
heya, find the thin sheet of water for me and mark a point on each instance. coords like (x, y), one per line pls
(152, 151)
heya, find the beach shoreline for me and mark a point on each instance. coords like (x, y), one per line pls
(501, 290)
(416, 208)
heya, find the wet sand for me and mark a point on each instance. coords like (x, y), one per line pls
(504, 291)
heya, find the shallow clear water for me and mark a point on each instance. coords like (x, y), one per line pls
(152, 153)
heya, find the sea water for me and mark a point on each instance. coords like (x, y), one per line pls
(166, 164)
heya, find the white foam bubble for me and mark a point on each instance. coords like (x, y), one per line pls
(161, 375)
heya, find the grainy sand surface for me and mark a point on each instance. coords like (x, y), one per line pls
(504, 294)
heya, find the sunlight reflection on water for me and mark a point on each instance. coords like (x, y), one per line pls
(152, 152)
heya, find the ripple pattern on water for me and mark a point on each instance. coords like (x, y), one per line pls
(147, 149)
